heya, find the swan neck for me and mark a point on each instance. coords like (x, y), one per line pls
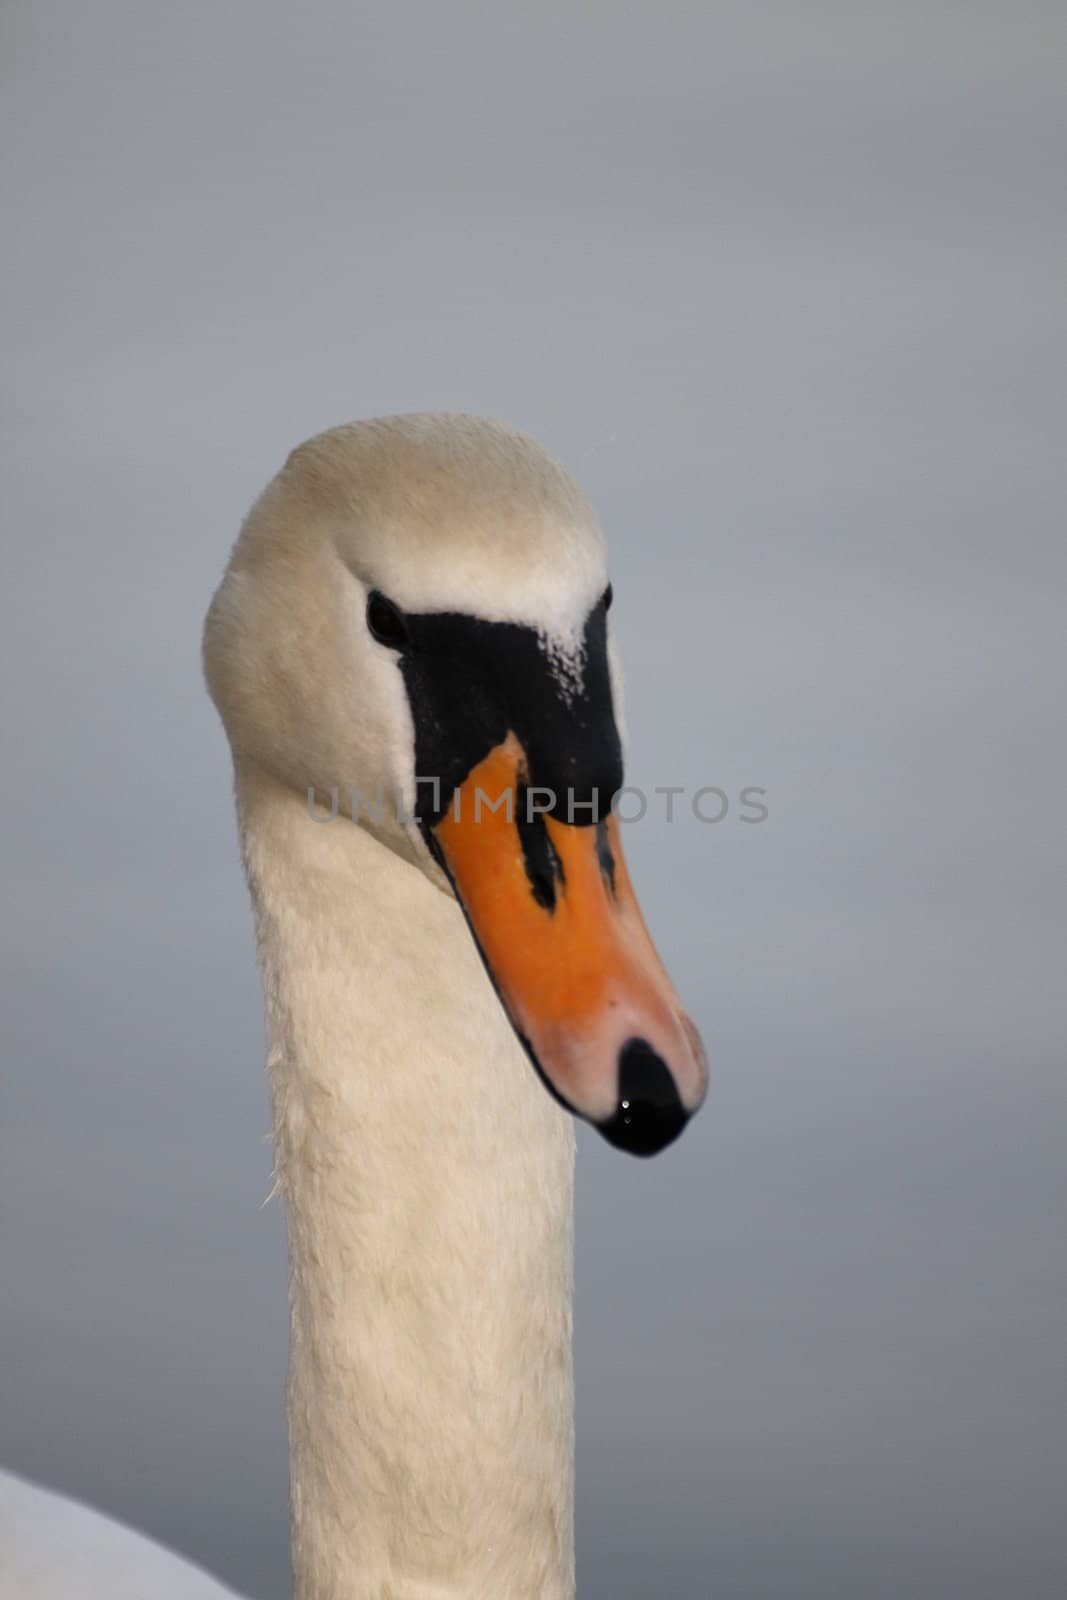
(427, 1179)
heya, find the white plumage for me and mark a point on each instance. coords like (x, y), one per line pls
(52, 1548)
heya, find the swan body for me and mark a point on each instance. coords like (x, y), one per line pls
(52, 1548)
(425, 598)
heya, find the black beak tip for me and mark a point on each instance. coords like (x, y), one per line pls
(650, 1114)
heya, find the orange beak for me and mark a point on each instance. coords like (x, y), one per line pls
(553, 912)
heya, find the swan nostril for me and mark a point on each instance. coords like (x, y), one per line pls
(544, 869)
(650, 1113)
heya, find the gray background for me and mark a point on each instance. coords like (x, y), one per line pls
(783, 285)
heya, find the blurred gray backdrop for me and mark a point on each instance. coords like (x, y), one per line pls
(783, 284)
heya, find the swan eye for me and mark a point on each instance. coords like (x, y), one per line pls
(386, 622)
(608, 597)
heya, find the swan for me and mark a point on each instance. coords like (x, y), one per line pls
(412, 656)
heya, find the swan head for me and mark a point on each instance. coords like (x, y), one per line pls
(415, 616)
